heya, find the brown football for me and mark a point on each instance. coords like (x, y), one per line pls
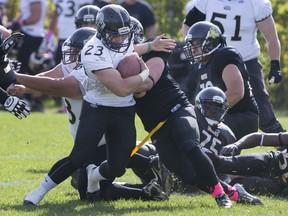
(129, 65)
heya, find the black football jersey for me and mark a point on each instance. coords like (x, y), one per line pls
(213, 138)
(162, 100)
(210, 74)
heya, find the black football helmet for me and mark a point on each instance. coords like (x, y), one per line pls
(86, 16)
(138, 30)
(113, 21)
(73, 45)
(212, 103)
(41, 61)
(202, 39)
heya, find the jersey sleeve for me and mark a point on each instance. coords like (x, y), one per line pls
(227, 56)
(262, 9)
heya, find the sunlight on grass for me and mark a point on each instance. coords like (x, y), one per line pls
(31, 146)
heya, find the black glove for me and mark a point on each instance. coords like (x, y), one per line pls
(275, 74)
(8, 43)
(15, 24)
(17, 107)
(230, 150)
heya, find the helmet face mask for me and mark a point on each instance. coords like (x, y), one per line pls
(40, 62)
(73, 45)
(138, 31)
(114, 28)
(212, 103)
(202, 39)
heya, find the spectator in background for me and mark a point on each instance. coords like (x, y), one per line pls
(31, 24)
(101, 3)
(3, 15)
(62, 23)
(239, 21)
(143, 12)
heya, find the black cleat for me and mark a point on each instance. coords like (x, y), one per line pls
(245, 198)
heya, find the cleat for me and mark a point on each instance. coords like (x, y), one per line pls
(33, 198)
(223, 201)
(93, 197)
(162, 175)
(93, 186)
(74, 179)
(281, 168)
(245, 198)
(154, 191)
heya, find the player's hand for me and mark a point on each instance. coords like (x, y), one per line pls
(230, 150)
(17, 90)
(17, 107)
(162, 44)
(275, 74)
(8, 43)
(15, 65)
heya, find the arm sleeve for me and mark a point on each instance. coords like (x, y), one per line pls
(3, 96)
(194, 16)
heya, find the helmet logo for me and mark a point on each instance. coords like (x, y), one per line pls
(124, 30)
(218, 99)
(213, 33)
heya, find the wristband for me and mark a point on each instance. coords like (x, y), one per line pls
(149, 48)
(262, 139)
(144, 74)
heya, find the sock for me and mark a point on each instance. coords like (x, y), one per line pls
(233, 193)
(95, 186)
(216, 190)
(47, 185)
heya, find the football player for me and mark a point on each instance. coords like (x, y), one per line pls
(163, 107)
(264, 173)
(222, 66)
(240, 21)
(55, 88)
(11, 103)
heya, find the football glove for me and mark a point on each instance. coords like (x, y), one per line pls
(15, 65)
(275, 74)
(230, 150)
(8, 43)
(17, 107)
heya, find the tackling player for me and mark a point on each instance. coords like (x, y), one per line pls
(11, 103)
(223, 66)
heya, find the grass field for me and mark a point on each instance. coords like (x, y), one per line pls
(31, 146)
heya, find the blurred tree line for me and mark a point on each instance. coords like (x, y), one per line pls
(170, 14)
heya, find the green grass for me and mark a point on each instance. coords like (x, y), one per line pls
(31, 146)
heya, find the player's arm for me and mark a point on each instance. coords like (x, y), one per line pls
(158, 44)
(55, 72)
(234, 84)
(62, 87)
(268, 30)
(256, 139)
(112, 79)
(156, 66)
